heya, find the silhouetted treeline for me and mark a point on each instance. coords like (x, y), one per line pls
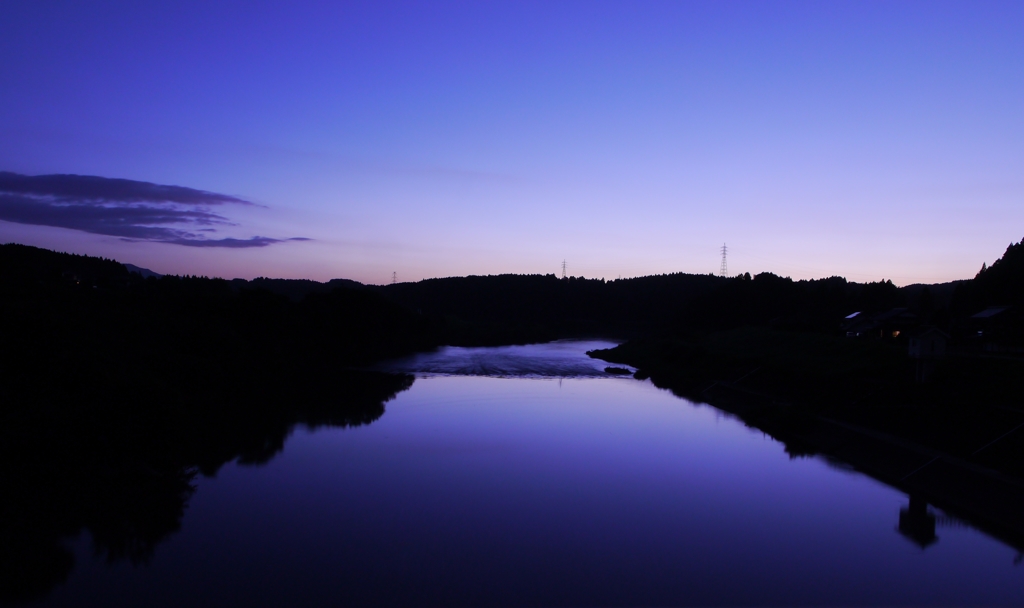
(504, 309)
(864, 371)
(116, 391)
(350, 323)
(482, 309)
(1002, 283)
(295, 289)
(95, 299)
(522, 308)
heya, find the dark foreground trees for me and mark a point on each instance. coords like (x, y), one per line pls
(117, 391)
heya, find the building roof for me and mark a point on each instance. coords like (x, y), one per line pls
(991, 311)
(890, 314)
(931, 332)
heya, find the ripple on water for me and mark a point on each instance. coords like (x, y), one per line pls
(560, 359)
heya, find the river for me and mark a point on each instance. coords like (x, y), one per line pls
(528, 475)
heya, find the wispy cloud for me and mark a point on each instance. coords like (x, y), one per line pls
(131, 210)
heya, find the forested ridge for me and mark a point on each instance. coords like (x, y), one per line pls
(117, 391)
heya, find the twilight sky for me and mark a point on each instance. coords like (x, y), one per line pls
(342, 139)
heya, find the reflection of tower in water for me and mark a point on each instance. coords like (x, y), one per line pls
(917, 524)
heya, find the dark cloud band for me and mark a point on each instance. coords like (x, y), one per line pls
(131, 210)
(108, 190)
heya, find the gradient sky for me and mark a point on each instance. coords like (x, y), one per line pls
(864, 139)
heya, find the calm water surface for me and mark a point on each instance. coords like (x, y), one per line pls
(545, 490)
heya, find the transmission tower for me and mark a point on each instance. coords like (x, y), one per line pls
(724, 270)
(394, 278)
(563, 269)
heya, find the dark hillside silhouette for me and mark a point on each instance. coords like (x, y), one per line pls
(1001, 283)
(521, 308)
(294, 289)
(853, 368)
(117, 390)
(990, 308)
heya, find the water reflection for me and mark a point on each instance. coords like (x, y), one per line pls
(125, 475)
(917, 524)
(493, 491)
(472, 491)
(561, 359)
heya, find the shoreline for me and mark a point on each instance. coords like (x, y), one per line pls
(989, 498)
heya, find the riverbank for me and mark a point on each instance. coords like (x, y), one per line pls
(954, 441)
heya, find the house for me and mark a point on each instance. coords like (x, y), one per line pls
(925, 346)
(928, 344)
(887, 324)
(987, 325)
(996, 328)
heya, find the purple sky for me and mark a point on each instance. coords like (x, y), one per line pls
(869, 140)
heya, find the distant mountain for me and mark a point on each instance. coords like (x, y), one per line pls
(144, 272)
(940, 293)
(21, 266)
(295, 289)
(575, 306)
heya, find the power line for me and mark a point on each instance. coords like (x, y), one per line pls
(563, 269)
(724, 270)
(394, 277)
